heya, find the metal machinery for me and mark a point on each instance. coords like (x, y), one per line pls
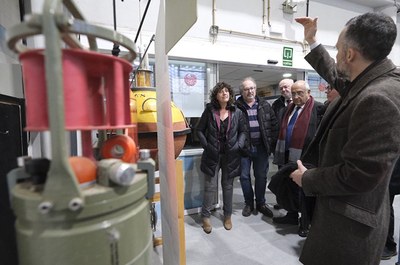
(143, 107)
(92, 209)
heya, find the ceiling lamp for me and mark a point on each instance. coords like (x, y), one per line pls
(286, 75)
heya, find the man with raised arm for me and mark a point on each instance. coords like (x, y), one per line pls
(356, 146)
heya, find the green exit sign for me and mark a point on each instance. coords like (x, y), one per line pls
(287, 56)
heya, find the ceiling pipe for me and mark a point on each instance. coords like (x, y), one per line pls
(269, 13)
(215, 30)
(263, 37)
(264, 27)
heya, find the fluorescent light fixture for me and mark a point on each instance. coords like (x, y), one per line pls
(287, 75)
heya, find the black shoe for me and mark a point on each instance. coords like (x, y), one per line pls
(247, 210)
(303, 232)
(388, 254)
(265, 210)
(287, 219)
(277, 207)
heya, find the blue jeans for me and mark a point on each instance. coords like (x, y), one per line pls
(260, 160)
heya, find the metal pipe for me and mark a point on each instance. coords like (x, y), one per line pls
(269, 13)
(249, 35)
(263, 16)
(255, 36)
(141, 60)
(62, 186)
(77, 14)
(213, 12)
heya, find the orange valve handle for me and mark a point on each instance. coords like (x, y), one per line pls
(85, 170)
(121, 147)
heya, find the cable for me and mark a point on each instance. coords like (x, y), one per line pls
(141, 22)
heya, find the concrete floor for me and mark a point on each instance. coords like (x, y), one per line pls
(253, 240)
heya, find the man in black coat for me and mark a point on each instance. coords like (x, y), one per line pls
(297, 129)
(280, 104)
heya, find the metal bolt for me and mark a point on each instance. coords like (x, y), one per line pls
(123, 174)
(75, 204)
(45, 207)
(144, 154)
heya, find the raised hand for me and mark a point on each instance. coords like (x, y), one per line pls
(310, 28)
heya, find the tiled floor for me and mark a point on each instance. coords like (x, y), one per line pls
(253, 240)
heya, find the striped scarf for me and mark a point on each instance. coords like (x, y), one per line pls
(298, 134)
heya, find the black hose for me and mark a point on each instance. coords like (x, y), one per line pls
(307, 6)
(115, 51)
(141, 22)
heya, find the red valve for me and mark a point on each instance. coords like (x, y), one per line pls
(120, 146)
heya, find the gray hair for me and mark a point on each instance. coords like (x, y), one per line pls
(249, 78)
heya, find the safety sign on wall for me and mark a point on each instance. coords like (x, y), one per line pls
(287, 56)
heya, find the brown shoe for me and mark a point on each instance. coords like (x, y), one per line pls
(228, 223)
(207, 225)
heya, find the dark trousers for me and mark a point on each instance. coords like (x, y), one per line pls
(390, 244)
(306, 205)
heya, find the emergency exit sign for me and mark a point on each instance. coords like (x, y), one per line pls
(287, 56)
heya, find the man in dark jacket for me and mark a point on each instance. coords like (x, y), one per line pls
(354, 162)
(263, 128)
(280, 104)
(297, 129)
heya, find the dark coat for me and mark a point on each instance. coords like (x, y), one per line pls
(267, 121)
(394, 184)
(354, 165)
(279, 107)
(316, 117)
(286, 190)
(207, 131)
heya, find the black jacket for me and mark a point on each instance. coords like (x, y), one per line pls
(207, 131)
(266, 119)
(279, 108)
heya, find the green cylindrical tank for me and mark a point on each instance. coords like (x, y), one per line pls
(113, 227)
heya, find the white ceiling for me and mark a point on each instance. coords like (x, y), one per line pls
(265, 75)
(372, 3)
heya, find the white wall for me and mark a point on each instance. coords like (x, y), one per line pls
(10, 70)
(242, 16)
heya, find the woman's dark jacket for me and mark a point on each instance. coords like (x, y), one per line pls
(236, 139)
(267, 121)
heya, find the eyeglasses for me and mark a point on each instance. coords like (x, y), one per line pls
(247, 89)
(298, 93)
(328, 89)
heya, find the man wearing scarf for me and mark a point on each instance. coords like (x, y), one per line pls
(298, 127)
